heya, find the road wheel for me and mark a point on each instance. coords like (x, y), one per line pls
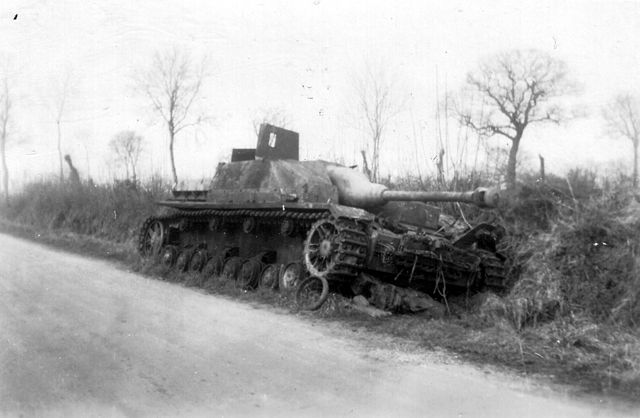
(215, 224)
(249, 274)
(312, 293)
(212, 268)
(231, 268)
(288, 227)
(198, 261)
(291, 275)
(182, 261)
(249, 225)
(269, 276)
(168, 256)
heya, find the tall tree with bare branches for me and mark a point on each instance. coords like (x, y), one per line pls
(622, 117)
(59, 102)
(5, 114)
(127, 147)
(518, 89)
(378, 102)
(173, 84)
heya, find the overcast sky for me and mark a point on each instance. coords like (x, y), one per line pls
(301, 57)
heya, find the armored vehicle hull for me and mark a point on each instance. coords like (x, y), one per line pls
(274, 222)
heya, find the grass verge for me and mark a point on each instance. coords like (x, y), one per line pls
(590, 358)
(573, 250)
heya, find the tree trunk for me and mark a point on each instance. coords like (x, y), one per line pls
(511, 164)
(5, 171)
(173, 164)
(135, 178)
(60, 151)
(635, 164)
(375, 160)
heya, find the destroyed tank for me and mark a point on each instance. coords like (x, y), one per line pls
(268, 219)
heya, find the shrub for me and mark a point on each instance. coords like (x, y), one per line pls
(110, 211)
(587, 263)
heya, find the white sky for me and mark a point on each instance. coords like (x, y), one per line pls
(300, 56)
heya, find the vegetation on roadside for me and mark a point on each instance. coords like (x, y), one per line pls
(105, 211)
(573, 245)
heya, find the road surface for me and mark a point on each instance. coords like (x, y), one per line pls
(81, 337)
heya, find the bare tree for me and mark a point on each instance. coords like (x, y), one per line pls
(377, 104)
(172, 84)
(518, 89)
(127, 147)
(5, 114)
(622, 117)
(272, 116)
(60, 95)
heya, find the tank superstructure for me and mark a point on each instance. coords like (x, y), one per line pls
(268, 218)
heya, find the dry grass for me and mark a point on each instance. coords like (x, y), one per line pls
(586, 264)
(572, 313)
(112, 211)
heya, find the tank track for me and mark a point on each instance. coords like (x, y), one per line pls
(493, 268)
(267, 214)
(460, 267)
(352, 239)
(352, 248)
(302, 219)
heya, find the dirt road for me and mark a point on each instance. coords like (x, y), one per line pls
(79, 337)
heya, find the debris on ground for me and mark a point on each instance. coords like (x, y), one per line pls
(396, 299)
(358, 305)
(360, 300)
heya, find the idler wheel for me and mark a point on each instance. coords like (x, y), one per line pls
(320, 248)
(291, 275)
(168, 256)
(249, 225)
(198, 261)
(269, 276)
(182, 261)
(231, 268)
(151, 238)
(249, 275)
(287, 227)
(213, 267)
(312, 293)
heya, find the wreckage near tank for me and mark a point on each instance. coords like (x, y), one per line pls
(268, 219)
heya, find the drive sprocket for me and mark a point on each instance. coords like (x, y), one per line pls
(335, 248)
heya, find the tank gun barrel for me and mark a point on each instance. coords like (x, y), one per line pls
(355, 189)
(480, 196)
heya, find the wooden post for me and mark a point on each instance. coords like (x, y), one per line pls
(440, 166)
